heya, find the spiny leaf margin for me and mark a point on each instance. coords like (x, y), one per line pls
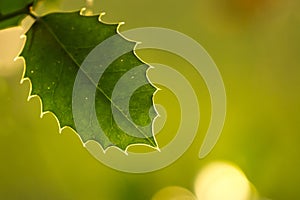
(61, 127)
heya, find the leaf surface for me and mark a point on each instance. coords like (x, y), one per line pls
(10, 6)
(56, 46)
(12, 12)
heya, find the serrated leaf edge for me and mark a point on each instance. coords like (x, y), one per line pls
(60, 129)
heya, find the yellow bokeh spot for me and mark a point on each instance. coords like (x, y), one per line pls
(174, 193)
(221, 180)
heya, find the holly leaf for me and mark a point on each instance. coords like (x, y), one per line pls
(56, 47)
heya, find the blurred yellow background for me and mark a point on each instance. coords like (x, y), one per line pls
(255, 44)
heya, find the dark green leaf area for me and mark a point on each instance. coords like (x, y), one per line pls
(56, 46)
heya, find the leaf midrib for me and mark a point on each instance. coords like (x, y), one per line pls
(49, 29)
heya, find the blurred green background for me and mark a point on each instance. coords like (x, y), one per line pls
(255, 44)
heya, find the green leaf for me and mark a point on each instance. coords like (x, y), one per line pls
(13, 21)
(12, 12)
(56, 46)
(11, 6)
